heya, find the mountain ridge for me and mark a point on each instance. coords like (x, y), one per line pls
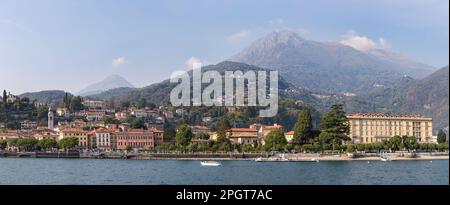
(110, 82)
(320, 66)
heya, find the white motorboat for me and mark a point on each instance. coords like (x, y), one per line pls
(314, 160)
(384, 158)
(210, 163)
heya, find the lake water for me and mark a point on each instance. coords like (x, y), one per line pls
(161, 172)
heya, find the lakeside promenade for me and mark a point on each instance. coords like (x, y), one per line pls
(394, 156)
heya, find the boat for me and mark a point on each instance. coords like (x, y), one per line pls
(384, 158)
(210, 163)
(282, 158)
(314, 160)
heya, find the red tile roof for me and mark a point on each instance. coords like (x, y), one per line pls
(384, 115)
(243, 130)
(289, 133)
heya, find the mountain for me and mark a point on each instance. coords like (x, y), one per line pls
(325, 66)
(414, 69)
(428, 96)
(110, 82)
(159, 93)
(47, 96)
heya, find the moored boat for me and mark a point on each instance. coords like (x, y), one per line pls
(210, 163)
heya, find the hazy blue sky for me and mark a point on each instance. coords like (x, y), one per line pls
(67, 44)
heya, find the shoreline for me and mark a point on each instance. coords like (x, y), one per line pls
(301, 157)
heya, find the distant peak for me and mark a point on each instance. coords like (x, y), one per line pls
(284, 36)
(110, 82)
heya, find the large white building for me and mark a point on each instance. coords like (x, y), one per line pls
(370, 128)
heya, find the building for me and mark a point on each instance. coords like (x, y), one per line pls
(51, 119)
(95, 115)
(266, 129)
(82, 135)
(121, 115)
(28, 125)
(370, 128)
(105, 140)
(263, 130)
(289, 136)
(199, 129)
(94, 104)
(138, 139)
(200, 133)
(139, 113)
(10, 98)
(62, 112)
(180, 111)
(243, 135)
(168, 114)
(44, 133)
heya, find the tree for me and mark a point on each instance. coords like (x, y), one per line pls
(136, 123)
(184, 135)
(334, 127)
(76, 104)
(169, 134)
(47, 144)
(409, 142)
(27, 144)
(12, 142)
(395, 143)
(351, 148)
(110, 120)
(5, 97)
(303, 127)
(3, 144)
(141, 103)
(222, 128)
(68, 143)
(275, 141)
(441, 137)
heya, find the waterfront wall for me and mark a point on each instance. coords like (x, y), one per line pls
(41, 154)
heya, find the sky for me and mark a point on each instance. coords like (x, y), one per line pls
(68, 44)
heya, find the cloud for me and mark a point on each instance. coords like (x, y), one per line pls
(193, 61)
(363, 43)
(119, 62)
(238, 36)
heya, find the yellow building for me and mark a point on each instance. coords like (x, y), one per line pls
(243, 135)
(289, 136)
(370, 128)
(82, 135)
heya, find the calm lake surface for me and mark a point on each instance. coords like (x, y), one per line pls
(161, 172)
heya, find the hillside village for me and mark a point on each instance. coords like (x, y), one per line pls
(93, 125)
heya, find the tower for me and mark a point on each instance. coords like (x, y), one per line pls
(50, 119)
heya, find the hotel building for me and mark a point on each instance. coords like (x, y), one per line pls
(138, 138)
(370, 128)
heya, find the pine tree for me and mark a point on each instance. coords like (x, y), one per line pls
(441, 137)
(303, 127)
(334, 127)
(4, 97)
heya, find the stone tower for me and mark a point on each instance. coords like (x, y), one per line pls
(50, 119)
